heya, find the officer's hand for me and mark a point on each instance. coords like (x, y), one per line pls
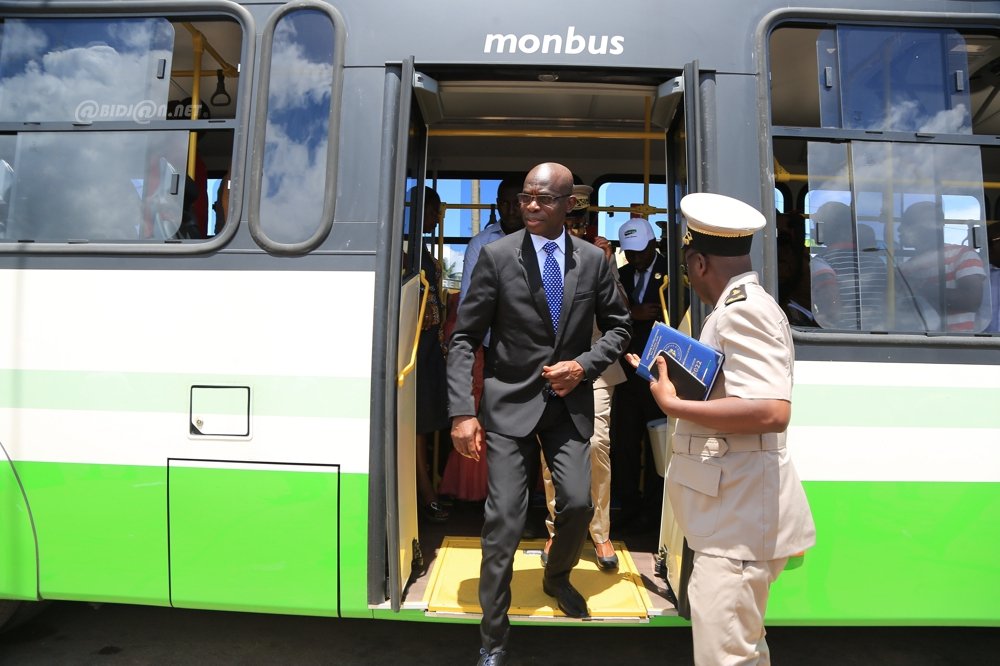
(662, 388)
(467, 436)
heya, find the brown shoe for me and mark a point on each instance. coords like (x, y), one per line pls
(607, 559)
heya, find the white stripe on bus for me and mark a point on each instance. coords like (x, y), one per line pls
(895, 454)
(938, 375)
(315, 323)
(150, 438)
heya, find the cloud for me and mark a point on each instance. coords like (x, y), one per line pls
(79, 185)
(294, 186)
(52, 85)
(294, 77)
(20, 40)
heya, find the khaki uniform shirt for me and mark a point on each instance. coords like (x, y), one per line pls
(737, 495)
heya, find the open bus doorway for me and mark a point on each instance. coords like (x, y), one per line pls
(638, 129)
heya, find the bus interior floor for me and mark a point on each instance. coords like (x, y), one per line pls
(466, 519)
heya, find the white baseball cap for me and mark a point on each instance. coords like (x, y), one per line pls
(635, 234)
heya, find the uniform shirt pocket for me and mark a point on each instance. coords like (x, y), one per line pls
(694, 493)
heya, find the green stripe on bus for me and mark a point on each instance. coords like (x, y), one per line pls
(886, 553)
(895, 406)
(896, 553)
(102, 531)
(248, 539)
(339, 397)
(18, 572)
(254, 540)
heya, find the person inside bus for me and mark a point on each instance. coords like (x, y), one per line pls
(432, 407)
(732, 486)
(221, 204)
(538, 292)
(946, 281)
(861, 277)
(465, 478)
(637, 489)
(794, 284)
(993, 236)
(577, 224)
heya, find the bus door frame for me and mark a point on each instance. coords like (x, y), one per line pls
(404, 140)
(681, 92)
(689, 87)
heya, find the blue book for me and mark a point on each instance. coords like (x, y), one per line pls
(692, 366)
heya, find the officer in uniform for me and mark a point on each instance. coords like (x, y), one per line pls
(731, 483)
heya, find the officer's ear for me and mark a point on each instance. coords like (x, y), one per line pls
(697, 263)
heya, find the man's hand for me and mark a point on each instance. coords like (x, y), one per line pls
(644, 311)
(602, 243)
(563, 377)
(467, 436)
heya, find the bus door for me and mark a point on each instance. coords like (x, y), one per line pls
(682, 113)
(403, 550)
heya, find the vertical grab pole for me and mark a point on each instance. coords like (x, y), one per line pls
(198, 46)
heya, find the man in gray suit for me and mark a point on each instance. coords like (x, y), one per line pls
(538, 291)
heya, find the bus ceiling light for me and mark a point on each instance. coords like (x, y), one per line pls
(548, 77)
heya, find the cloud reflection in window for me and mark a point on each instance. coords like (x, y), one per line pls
(297, 130)
(50, 69)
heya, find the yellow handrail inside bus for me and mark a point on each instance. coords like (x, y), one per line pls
(416, 335)
(198, 48)
(663, 299)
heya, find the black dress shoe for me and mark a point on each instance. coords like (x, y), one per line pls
(570, 601)
(498, 658)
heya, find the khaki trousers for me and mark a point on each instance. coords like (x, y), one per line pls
(600, 470)
(728, 601)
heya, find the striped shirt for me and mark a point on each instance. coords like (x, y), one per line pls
(862, 283)
(925, 271)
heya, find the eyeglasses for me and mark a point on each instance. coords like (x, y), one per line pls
(540, 199)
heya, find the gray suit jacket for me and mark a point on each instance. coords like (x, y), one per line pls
(506, 297)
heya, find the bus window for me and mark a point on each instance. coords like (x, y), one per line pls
(895, 79)
(469, 208)
(895, 223)
(297, 188)
(81, 70)
(624, 198)
(130, 172)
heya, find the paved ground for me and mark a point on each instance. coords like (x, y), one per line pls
(78, 633)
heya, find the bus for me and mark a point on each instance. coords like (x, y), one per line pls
(207, 398)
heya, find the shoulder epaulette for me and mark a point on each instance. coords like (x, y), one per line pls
(736, 294)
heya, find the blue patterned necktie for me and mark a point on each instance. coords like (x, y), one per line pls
(552, 281)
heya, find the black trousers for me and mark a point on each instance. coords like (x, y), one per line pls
(512, 461)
